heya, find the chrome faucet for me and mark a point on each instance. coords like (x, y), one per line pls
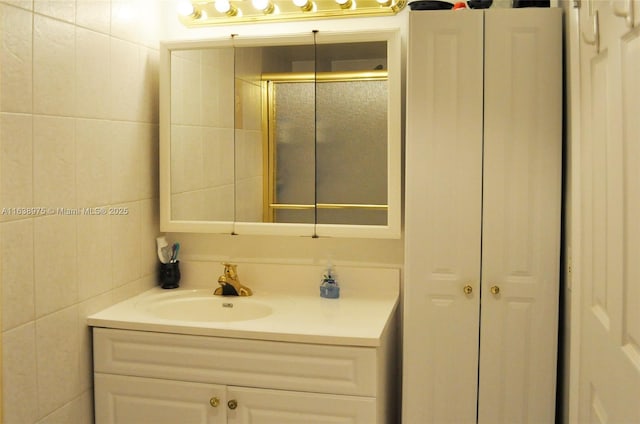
(230, 283)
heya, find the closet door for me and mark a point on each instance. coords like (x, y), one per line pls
(521, 215)
(443, 217)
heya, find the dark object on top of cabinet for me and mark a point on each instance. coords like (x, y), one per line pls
(480, 4)
(531, 3)
(430, 5)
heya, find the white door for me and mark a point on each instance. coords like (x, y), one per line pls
(609, 377)
(263, 406)
(443, 217)
(521, 215)
(135, 400)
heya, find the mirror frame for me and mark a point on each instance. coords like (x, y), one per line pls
(394, 143)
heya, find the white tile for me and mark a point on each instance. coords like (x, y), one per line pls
(150, 219)
(60, 9)
(25, 4)
(54, 63)
(57, 353)
(94, 14)
(94, 146)
(251, 106)
(219, 203)
(218, 81)
(16, 166)
(93, 74)
(55, 263)
(218, 156)
(125, 244)
(136, 20)
(148, 164)
(54, 166)
(16, 54)
(94, 255)
(132, 157)
(124, 168)
(19, 378)
(188, 205)
(133, 288)
(17, 273)
(149, 107)
(186, 89)
(125, 85)
(187, 158)
(68, 413)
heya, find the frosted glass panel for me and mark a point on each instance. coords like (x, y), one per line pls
(351, 137)
(294, 150)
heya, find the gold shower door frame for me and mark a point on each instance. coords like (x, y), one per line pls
(269, 144)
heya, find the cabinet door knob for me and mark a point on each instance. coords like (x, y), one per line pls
(214, 402)
(467, 289)
(232, 404)
(495, 290)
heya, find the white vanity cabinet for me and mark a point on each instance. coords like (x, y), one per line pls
(137, 400)
(147, 377)
(483, 207)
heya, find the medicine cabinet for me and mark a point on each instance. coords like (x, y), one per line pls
(289, 135)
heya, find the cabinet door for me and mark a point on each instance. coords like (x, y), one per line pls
(443, 216)
(136, 400)
(263, 406)
(521, 215)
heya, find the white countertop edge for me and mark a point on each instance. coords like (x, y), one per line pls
(354, 320)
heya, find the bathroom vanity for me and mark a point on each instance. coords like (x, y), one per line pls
(285, 356)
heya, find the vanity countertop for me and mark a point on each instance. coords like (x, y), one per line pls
(358, 318)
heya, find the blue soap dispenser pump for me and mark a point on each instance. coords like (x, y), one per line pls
(329, 286)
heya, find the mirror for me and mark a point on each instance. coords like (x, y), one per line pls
(291, 135)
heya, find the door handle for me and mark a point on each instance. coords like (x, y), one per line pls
(468, 289)
(495, 290)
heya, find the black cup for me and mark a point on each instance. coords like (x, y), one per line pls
(169, 275)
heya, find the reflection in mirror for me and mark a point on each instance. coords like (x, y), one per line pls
(256, 156)
(328, 127)
(201, 147)
(351, 140)
(291, 154)
(282, 130)
(248, 134)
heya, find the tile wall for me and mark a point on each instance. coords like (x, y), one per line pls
(78, 189)
(202, 109)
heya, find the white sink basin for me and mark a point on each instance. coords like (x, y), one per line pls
(203, 306)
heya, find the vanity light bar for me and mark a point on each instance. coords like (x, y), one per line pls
(195, 13)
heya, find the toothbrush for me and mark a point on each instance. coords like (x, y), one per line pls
(174, 255)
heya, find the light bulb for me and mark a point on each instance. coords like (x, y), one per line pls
(345, 4)
(260, 4)
(222, 6)
(305, 5)
(185, 8)
(265, 5)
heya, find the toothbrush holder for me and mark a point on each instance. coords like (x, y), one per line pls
(169, 275)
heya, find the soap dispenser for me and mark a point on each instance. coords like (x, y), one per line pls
(329, 286)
